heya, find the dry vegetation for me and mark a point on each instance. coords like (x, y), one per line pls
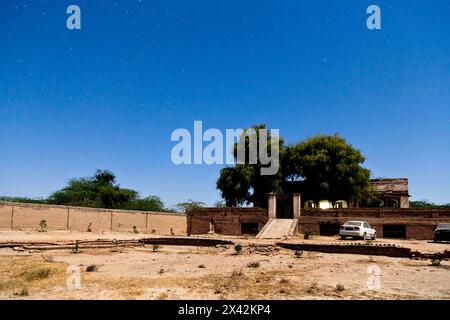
(172, 272)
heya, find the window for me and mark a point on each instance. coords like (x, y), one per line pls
(249, 228)
(329, 229)
(394, 231)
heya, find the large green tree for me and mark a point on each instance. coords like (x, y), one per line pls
(326, 166)
(102, 191)
(245, 182)
(99, 191)
(150, 203)
(329, 168)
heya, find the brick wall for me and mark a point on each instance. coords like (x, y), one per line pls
(24, 216)
(420, 223)
(226, 221)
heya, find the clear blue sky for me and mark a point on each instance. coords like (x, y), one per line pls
(109, 95)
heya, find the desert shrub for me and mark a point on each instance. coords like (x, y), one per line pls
(48, 258)
(92, 268)
(23, 292)
(4, 285)
(37, 274)
(135, 230)
(253, 264)
(161, 271)
(312, 288)
(162, 296)
(237, 273)
(307, 235)
(43, 226)
(202, 266)
(298, 254)
(340, 288)
(156, 247)
(284, 281)
(238, 248)
(436, 262)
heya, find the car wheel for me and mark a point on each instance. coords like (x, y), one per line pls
(374, 237)
(342, 237)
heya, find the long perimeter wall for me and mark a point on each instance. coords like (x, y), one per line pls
(24, 216)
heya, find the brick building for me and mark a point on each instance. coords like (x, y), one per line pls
(392, 220)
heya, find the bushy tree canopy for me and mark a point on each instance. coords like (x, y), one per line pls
(329, 168)
(102, 191)
(190, 204)
(235, 183)
(427, 205)
(326, 166)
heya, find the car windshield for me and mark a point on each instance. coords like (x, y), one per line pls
(444, 226)
(352, 223)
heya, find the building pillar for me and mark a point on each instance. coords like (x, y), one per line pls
(297, 204)
(272, 206)
(404, 202)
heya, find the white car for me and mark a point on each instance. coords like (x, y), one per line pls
(357, 229)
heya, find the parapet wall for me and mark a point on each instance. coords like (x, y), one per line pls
(378, 213)
(24, 216)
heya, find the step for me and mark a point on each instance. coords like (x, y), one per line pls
(278, 229)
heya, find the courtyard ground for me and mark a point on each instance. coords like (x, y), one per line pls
(178, 272)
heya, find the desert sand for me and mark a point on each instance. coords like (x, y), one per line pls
(177, 272)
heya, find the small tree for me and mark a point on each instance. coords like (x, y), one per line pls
(43, 226)
(190, 204)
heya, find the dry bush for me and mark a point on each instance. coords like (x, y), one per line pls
(37, 274)
(162, 296)
(92, 268)
(254, 264)
(48, 258)
(340, 288)
(23, 292)
(312, 288)
(237, 273)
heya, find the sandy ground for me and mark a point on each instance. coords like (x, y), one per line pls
(175, 272)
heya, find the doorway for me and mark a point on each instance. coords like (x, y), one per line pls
(284, 208)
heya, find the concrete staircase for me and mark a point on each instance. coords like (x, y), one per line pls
(278, 229)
